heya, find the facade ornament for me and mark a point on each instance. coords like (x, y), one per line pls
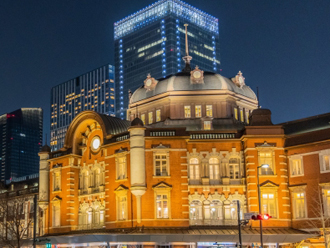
(197, 76)
(239, 80)
(150, 83)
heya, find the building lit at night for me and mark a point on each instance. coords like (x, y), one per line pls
(21, 140)
(152, 41)
(94, 90)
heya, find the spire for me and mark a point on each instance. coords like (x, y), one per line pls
(187, 58)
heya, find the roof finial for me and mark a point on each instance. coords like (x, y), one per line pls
(187, 58)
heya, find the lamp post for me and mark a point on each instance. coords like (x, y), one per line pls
(259, 198)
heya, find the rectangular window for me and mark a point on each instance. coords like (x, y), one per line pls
(325, 162)
(158, 115)
(121, 168)
(57, 181)
(299, 205)
(268, 204)
(162, 206)
(187, 113)
(266, 157)
(296, 167)
(236, 113)
(326, 202)
(151, 117)
(56, 215)
(207, 125)
(198, 111)
(242, 115)
(122, 208)
(161, 165)
(209, 111)
(143, 119)
(247, 117)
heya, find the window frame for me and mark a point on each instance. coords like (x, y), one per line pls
(291, 162)
(57, 173)
(121, 192)
(187, 111)
(158, 115)
(322, 155)
(150, 117)
(200, 111)
(167, 165)
(143, 118)
(209, 110)
(294, 191)
(118, 157)
(162, 189)
(273, 166)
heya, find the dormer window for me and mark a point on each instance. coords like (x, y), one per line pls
(151, 117)
(158, 118)
(209, 111)
(187, 113)
(143, 119)
(198, 111)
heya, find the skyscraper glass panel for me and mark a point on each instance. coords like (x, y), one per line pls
(152, 40)
(94, 90)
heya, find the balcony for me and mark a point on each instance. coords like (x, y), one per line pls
(92, 190)
(222, 181)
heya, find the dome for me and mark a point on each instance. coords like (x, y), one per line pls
(137, 122)
(182, 82)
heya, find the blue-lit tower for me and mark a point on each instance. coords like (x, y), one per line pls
(152, 41)
(94, 90)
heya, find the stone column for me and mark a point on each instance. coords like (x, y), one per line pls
(137, 166)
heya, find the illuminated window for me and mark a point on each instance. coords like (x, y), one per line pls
(214, 168)
(299, 205)
(194, 168)
(162, 206)
(198, 111)
(150, 117)
(158, 115)
(161, 165)
(326, 202)
(195, 211)
(122, 208)
(242, 115)
(266, 157)
(296, 166)
(324, 158)
(236, 113)
(207, 125)
(209, 110)
(234, 168)
(121, 166)
(247, 117)
(187, 113)
(268, 204)
(143, 119)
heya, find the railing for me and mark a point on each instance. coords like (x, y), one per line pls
(223, 181)
(221, 222)
(163, 133)
(212, 136)
(92, 190)
(90, 226)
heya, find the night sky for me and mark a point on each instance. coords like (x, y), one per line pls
(283, 47)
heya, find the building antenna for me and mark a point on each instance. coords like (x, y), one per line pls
(187, 58)
(258, 96)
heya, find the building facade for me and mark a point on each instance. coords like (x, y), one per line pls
(21, 139)
(94, 90)
(152, 41)
(173, 174)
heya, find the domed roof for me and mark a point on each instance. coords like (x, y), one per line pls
(182, 82)
(137, 122)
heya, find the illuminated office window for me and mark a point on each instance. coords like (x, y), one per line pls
(150, 117)
(187, 113)
(198, 111)
(158, 118)
(143, 119)
(209, 111)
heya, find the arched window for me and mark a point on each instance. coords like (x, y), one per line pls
(194, 168)
(216, 210)
(214, 168)
(196, 211)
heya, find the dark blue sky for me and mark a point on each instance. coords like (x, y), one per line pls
(281, 46)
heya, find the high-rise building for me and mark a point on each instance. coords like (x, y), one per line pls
(21, 139)
(94, 90)
(152, 40)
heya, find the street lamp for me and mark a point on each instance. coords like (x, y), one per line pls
(259, 198)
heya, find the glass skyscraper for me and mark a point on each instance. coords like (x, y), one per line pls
(21, 140)
(94, 90)
(152, 40)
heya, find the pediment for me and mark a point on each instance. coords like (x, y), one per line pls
(121, 188)
(162, 185)
(269, 184)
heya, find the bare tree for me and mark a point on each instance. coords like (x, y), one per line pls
(16, 221)
(320, 221)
